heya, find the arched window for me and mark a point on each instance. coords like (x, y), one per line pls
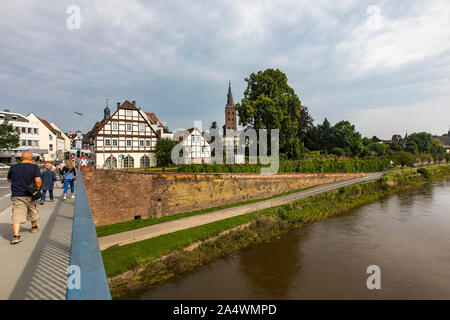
(128, 162)
(145, 162)
(111, 163)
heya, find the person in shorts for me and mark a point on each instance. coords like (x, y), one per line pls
(24, 208)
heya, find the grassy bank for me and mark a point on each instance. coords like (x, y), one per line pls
(265, 225)
(136, 224)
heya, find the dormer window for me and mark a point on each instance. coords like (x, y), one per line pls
(2, 116)
(14, 117)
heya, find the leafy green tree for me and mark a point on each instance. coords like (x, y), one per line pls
(9, 138)
(270, 103)
(404, 158)
(163, 151)
(213, 126)
(397, 146)
(346, 137)
(425, 142)
(412, 147)
(305, 123)
(424, 157)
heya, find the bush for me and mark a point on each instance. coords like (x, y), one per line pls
(423, 172)
(297, 166)
(338, 151)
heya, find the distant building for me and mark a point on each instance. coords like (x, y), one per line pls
(230, 138)
(125, 139)
(196, 148)
(50, 138)
(161, 130)
(445, 140)
(230, 126)
(28, 136)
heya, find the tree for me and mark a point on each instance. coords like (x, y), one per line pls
(270, 103)
(342, 135)
(425, 142)
(305, 123)
(163, 150)
(397, 146)
(412, 147)
(404, 158)
(9, 138)
(424, 157)
(346, 137)
(213, 126)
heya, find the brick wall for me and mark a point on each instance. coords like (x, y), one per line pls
(116, 196)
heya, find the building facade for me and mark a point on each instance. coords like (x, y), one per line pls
(125, 139)
(230, 126)
(196, 148)
(29, 136)
(50, 139)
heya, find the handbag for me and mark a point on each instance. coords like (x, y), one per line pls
(69, 176)
(34, 190)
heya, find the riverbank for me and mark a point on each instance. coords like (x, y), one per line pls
(262, 227)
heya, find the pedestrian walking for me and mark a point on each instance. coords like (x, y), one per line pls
(48, 182)
(69, 174)
(25, 179)
(60, 169)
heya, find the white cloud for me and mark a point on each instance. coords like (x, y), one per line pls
(383, 43)
(430, 115)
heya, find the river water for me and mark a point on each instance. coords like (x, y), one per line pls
(407, 235)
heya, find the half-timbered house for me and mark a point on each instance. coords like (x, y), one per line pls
(125, 139)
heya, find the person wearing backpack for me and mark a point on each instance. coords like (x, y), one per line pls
(25, 178)
(69, 174)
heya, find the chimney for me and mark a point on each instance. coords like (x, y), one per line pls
(118, 105)
(133, 103)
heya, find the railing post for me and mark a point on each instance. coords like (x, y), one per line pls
(86, 274)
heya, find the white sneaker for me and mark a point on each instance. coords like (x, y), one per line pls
(65, 197)
(72, 196)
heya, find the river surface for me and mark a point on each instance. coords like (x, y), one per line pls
(407, 235)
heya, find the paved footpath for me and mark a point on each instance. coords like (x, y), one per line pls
(127, 237)
(36, 268)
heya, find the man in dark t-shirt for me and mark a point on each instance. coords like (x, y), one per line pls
(24, 208)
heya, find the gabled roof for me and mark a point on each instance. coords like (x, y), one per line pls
(154, 118)
(49, 127)
(181, 134)
(127, 105)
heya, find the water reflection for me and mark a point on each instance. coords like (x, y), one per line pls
(271, 275)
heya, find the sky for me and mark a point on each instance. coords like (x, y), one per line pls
(382, 65)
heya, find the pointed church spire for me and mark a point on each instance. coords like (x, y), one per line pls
(230, 101)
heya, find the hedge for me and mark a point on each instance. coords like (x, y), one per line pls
(290, 166)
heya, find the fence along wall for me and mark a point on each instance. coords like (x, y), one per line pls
(116, 196)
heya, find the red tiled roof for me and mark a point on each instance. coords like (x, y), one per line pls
(154, 118)
(46, 124)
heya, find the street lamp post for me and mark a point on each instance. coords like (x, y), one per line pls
(81, 120)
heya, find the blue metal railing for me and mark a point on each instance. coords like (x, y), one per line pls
(86, 276)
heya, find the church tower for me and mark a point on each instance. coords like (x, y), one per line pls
(106, 112)
(230, 114)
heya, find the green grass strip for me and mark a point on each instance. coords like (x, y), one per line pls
(120, 259)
